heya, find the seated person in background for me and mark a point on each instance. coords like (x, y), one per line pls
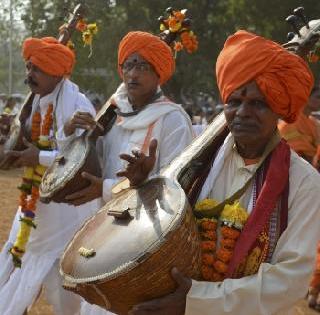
(262, 259)
(303, 135)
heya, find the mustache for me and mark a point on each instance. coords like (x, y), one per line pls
(29, 81)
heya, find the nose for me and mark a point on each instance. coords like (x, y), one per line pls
(244, 110)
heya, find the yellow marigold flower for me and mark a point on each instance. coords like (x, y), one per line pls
(87, 38)
(205, 204)
(234, 215)
(93, 28)
(162, 27)
(40, 169)
(28, 173)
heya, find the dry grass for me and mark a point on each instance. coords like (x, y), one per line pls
(9, 201)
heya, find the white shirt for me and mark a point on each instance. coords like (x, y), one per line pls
(280, 284)
(172, 129)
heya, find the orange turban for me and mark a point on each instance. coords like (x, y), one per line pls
(282, 77)
(49, 55)
(152, 49)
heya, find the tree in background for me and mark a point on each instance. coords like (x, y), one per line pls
(213, 20)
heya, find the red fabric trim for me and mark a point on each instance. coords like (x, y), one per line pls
(273, 186)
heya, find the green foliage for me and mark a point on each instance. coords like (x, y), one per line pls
(214, 20)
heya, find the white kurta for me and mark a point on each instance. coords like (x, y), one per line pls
(172, 129)
(56, 225)
(279, 284)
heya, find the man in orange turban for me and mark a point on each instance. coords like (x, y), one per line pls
(303, 135)
(151, 48)
(147, 120)
(56, 102)
(262, 259)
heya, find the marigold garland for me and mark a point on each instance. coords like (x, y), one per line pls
(179, 24)
(215, 260)
(30, 184)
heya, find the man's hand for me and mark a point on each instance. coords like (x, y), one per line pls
(314, 299)
(27, 157)
(172, 304)
(139, 165)
(93, 191)
(81, 120)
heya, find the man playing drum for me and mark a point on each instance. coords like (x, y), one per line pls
(263, 256)
(48, 65)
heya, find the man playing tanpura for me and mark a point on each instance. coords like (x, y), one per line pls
(56, 99)
(143, 112)
(259, 254)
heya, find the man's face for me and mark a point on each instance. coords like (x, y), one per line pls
(314, 101)
(139, 77)
(39, 81)
(249, 118)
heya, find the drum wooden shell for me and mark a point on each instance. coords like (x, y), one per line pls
(63, 177)
(134, 254)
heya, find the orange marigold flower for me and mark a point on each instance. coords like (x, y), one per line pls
(178, 46)
(81, 26)
(220, 266)
(208, 225)
(209, 235)
(208, 246)
(179, 15)
(229, 232)
(224, 254)
(228, 243)
(206, 273)
(207, 259)
(217, 277)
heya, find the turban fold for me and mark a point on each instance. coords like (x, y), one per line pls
(152, 49)
(282, 77)
(49, 55)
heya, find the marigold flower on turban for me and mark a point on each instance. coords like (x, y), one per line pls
(49, 55)
(283, 77)
(152, 49)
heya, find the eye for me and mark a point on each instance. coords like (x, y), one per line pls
(259, 104)
(144, 67)
(234, 102)
(127, 66)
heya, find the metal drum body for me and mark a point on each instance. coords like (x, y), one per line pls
(151, 230)
(123, 255)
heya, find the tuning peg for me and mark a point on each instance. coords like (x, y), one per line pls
(169, 10)
(299, 12)
(290, 36)
(187, 22)
(294, 22)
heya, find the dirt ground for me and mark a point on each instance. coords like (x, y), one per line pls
(9, 199)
